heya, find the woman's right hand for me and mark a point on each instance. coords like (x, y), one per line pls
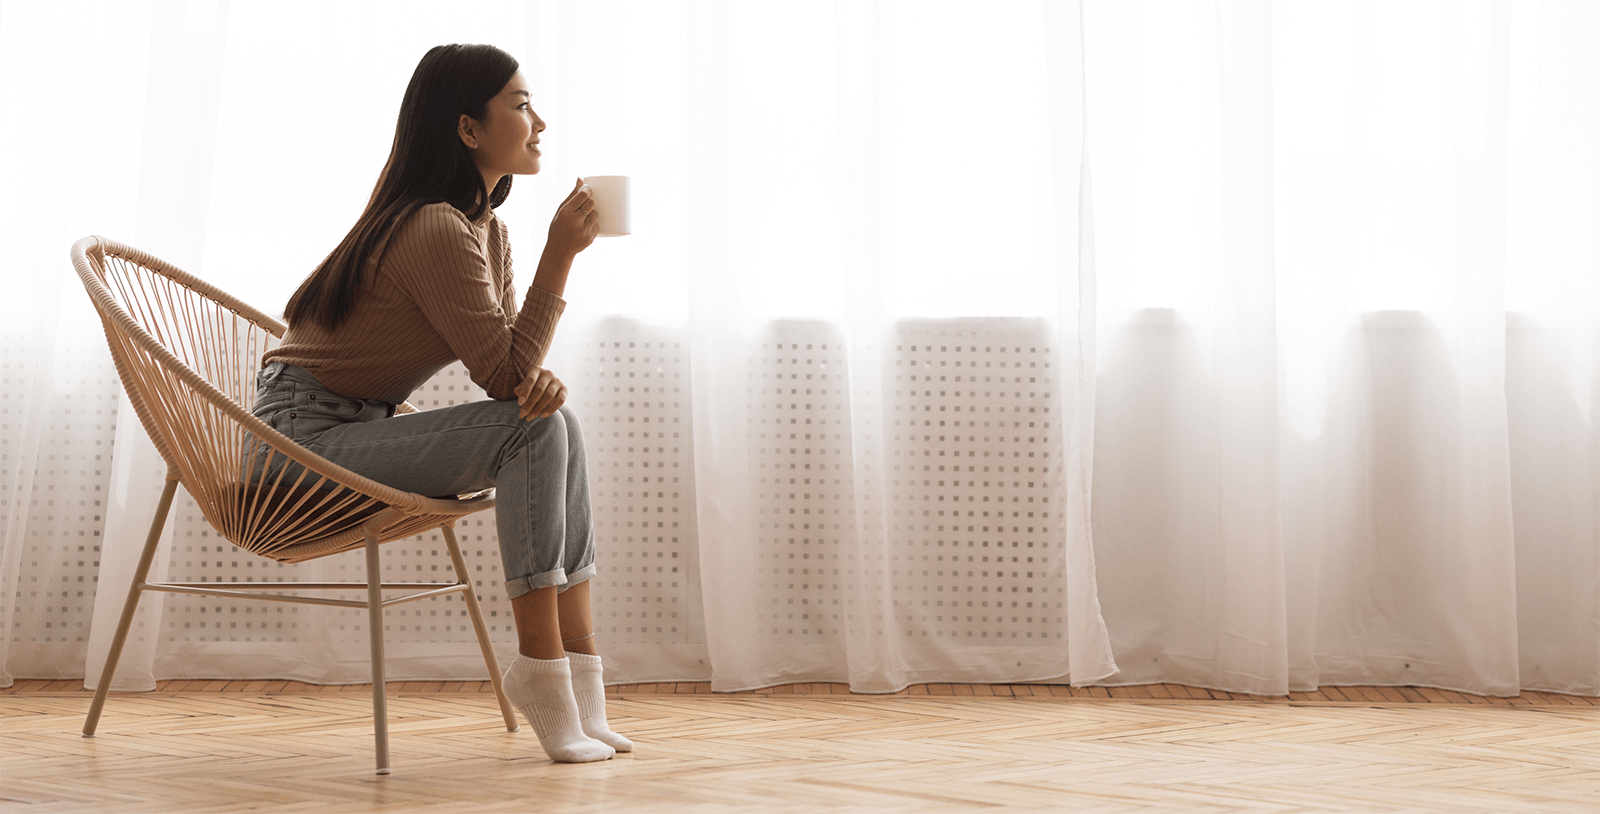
(576, 222)
(539, 395)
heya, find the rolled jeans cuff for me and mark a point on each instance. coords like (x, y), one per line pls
(559, 578)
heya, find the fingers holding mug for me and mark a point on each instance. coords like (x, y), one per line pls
(570, 229)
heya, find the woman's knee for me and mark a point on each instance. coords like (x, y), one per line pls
(551, 430)
(568, 415)
(569, 420)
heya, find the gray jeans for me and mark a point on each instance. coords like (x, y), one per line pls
(537, 467)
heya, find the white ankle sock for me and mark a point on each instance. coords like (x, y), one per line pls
(590, 690)
(542, 689)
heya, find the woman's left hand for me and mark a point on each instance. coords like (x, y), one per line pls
(540, 394)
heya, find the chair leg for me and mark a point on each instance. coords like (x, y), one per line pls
(380, 706)
(476, 612)
(140, 572)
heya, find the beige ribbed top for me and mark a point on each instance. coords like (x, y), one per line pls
(441, 292)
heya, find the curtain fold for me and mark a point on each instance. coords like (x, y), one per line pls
(831, 549)
(1307, 376)
(1242, 345)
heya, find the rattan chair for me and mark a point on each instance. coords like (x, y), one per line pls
(187, 354)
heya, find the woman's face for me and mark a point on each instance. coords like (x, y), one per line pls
(503, 143)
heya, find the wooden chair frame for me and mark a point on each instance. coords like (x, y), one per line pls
(164, 327)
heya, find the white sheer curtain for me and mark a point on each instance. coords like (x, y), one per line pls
(890, 490)
(1314, 222)
(1298, 390)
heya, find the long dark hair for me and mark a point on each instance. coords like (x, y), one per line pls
(428, 163)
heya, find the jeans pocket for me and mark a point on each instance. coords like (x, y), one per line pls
(331, 405)
(317, 411)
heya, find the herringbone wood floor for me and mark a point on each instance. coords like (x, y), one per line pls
(212, 746)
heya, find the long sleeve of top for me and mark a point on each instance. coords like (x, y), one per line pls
(441, 291)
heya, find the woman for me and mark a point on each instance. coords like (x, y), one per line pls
(423, 279)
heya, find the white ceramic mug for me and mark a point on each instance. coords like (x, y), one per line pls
(611, 200)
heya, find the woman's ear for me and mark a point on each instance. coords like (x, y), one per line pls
(467, 130)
